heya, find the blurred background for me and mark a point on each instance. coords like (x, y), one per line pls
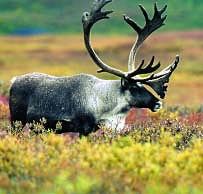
(46, 36)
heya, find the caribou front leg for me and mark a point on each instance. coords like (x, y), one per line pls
(116, 122)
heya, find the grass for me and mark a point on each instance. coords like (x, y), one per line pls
(64, 16)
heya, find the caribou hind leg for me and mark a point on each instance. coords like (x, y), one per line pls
(17, 113)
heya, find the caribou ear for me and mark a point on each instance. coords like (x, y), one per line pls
(158, 85)
(125, 84)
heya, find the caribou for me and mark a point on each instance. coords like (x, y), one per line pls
(83, 102)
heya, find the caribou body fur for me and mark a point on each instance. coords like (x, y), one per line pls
(80, 102)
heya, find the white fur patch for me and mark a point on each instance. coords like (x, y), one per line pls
(116, 122)
(157, 106)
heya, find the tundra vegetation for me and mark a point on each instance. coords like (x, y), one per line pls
(160, 153)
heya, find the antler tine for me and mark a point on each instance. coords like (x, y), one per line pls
(147, 20)
(96, 14)
(148, 69)
(150, 26)
(158, 13)
(98, 5)
(132, 23)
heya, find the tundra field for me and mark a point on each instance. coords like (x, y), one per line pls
(159, 153)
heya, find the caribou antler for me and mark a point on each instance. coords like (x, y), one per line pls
(156, 81)
(88, 20)
(150, 26)
(148, 69)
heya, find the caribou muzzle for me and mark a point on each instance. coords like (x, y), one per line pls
(157, 106)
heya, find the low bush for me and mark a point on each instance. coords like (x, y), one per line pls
(161, 153)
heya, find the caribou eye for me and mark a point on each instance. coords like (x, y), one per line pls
(125, 84)
(139, 84)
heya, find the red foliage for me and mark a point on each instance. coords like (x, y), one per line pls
(4, 100)
(137, 116)
(4, 108)
(71, 135)
(193, 118)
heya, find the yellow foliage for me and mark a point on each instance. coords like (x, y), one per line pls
(55, 163)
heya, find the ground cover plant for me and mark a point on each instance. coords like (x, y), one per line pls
(159, 153)
(156, 153)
